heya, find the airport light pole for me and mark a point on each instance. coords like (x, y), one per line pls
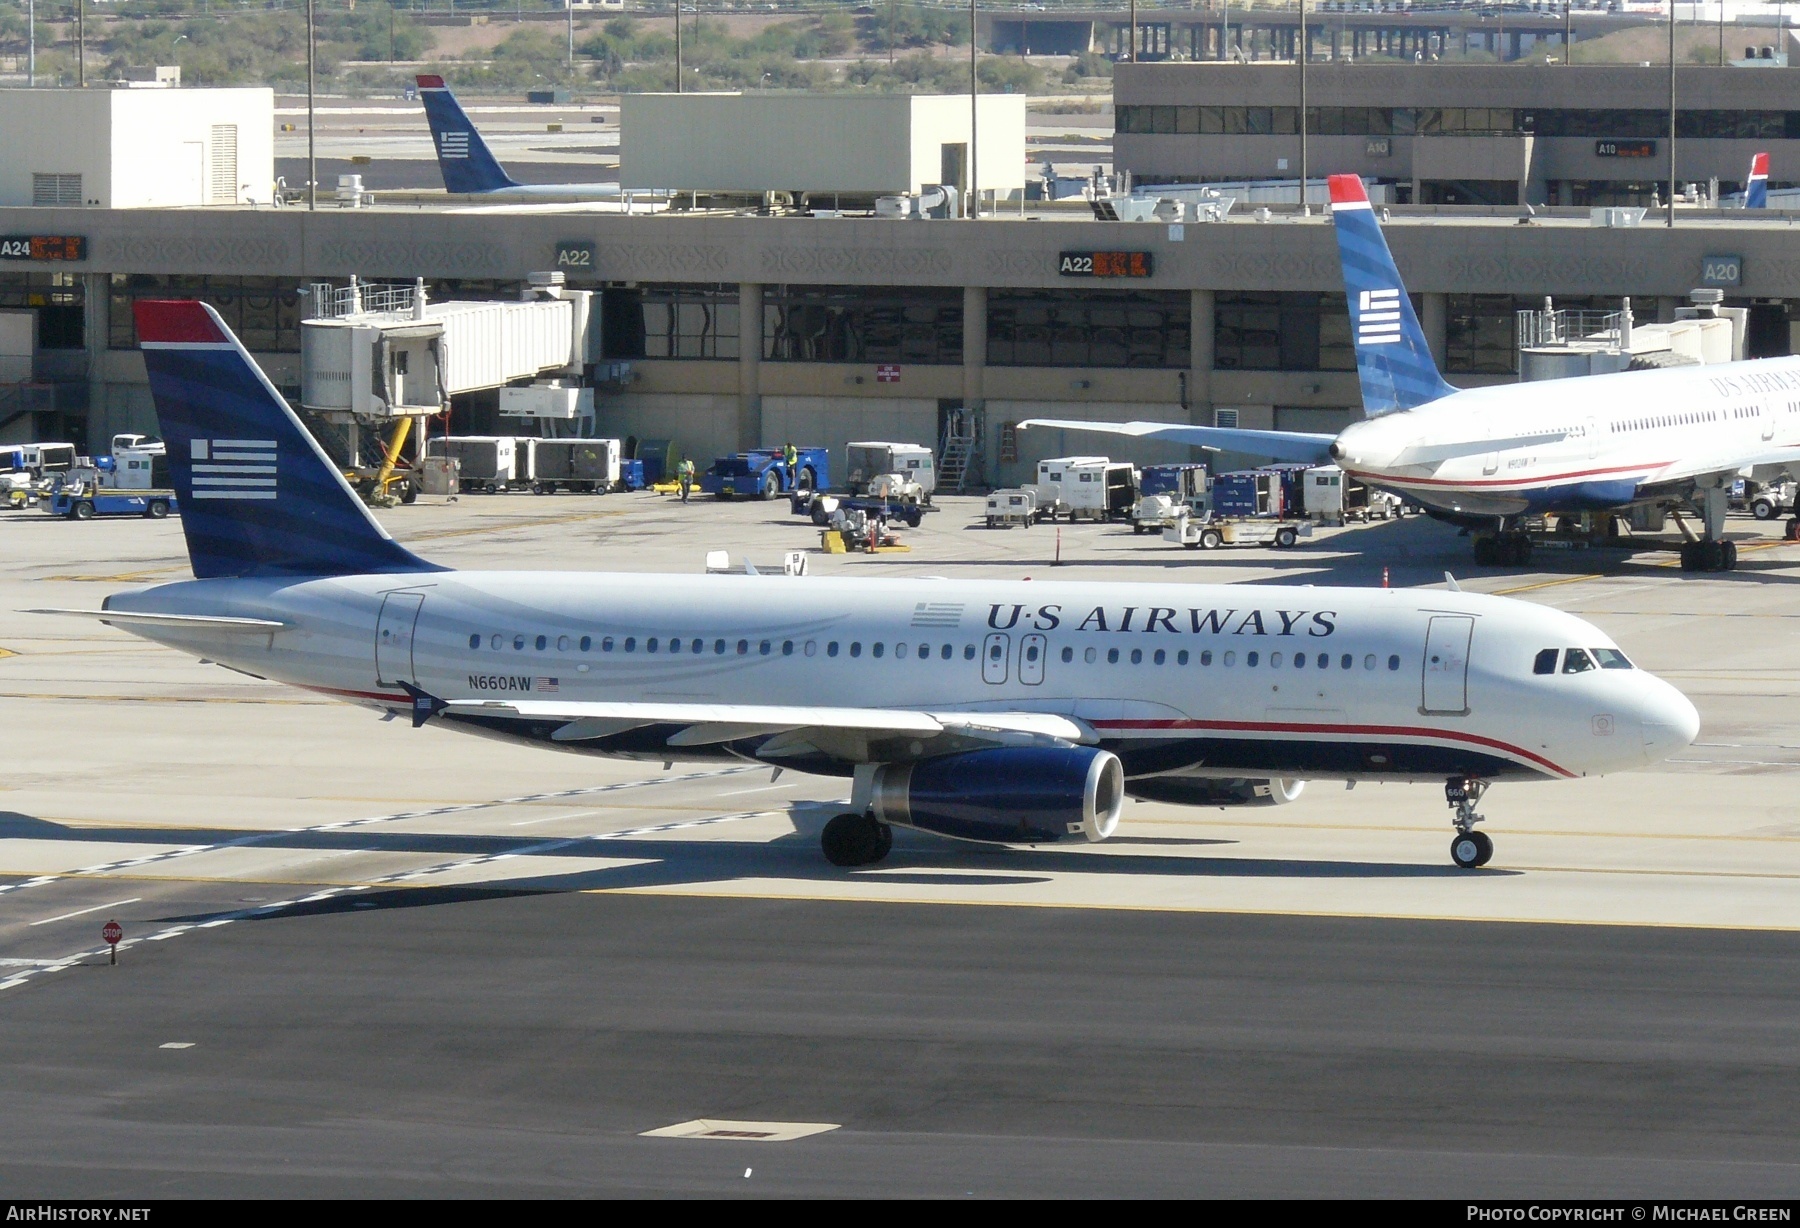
(31, 42)
(80, 42)
(1305, 208)
(974, 204)
(1671, 219)
(1133, 31)
(312, 149)
(678, 46)
(1568, 30)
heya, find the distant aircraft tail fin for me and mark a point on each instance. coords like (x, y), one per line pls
(258, 497)
(1756, 188)
(1393, 360)
(468, 165)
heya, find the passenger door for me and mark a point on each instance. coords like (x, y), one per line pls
(1031, 659)
(1445, 690)
(995, 651)
(394, 638)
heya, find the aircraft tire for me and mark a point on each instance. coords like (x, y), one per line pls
(1467, 849)
(855, 840)
(1728, 553)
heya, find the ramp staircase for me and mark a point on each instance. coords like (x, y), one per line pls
(960, 453)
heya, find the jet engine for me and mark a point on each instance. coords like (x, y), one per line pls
(1011, 795)
(1214, 790)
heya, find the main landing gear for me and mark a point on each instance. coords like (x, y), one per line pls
(1506, 549)
(1708, 556)
(856, 840)
(1470, 849)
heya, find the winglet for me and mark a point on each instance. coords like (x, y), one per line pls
(1756, 191)
(424, 705)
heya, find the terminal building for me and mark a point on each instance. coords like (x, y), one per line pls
(1538, 134)
(725, 331)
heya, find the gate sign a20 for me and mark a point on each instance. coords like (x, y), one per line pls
(1722, 271)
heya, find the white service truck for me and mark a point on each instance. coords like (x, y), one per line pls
(1331, 496)
(900, 472)
(1095, 487)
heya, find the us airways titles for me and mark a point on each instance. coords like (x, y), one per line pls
(1176, 621)
(1787, 380)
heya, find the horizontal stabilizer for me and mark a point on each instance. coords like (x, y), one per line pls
(200, 622)
(1295, 446)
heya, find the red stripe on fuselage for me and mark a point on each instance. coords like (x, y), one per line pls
(1389, 479)
(1404, 731)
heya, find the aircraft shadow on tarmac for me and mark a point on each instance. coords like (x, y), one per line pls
(1415, 550)
(670, 861)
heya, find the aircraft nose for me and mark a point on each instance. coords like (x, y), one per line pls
(1670, 722)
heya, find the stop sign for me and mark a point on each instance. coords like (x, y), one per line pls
(111, 933)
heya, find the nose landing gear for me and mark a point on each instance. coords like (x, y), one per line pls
(1470, 849)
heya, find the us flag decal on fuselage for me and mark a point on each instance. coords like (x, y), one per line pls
(234, 468)
(544, 684)
(1378, 317)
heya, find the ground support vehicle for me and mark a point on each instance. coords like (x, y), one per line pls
(763, 473)
(1212, 532)
(853, 530)
(84, 501)
(1006, 508)
(1093, 487)
(1763, 500)
(1249, 493)
(490, 463)
(821, 507)
(585, 466)
(911, 463)
(1163, 490)
(1331, 497)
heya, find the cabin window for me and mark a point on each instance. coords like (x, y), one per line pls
(1576, 661)
(494, 643)
(1346, 662)
(518, 643)
(543, 642)
(1068, 655)
(1228, 660)
(1250, 659)
(855, 648)
(674, 644)
(876, 649)
(787, 648)
(475, 640)
(1545, 662)
(831, 649)
(1206, 656)
(1137, 656)
(764, 648)
(946, 652)
(1394, 662)
(1181, 658)
(631, 643)
(587, 642)
(1324, 660)
(1089, 656)
(1112, 656)
(900, 651)
(719, 648)
(1274, 660)
(1160, 656)
(606, 645)
(562, 643)
(812, 648)
(1369, 661)
(650, 644)
(924, 652)
(968, 652)
(1611, 658)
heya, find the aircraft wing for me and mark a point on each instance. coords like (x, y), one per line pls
(791, 730)
(1276, 445)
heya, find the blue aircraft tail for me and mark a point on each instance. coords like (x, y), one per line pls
(468, 165)
(1756, 190)
(1392, 359)
(258, 497)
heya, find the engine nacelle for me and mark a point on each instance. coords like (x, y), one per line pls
(1214, 790)
(1009, 795)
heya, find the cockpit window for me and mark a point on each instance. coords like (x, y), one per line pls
(1545, 663)
(1612, 658)
(1576, 661)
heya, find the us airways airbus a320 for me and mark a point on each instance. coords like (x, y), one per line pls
(1486, 458)
(1012, 712)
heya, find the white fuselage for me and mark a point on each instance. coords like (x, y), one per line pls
(1243, 679)
(1624, 438)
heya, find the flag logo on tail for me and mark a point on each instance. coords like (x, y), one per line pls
(234, 468)
(1378, 317)
(453, 145)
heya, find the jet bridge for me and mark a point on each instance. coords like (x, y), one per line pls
(385, 357)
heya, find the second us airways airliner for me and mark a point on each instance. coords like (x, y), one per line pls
(1488, 457)
(1007, 711)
